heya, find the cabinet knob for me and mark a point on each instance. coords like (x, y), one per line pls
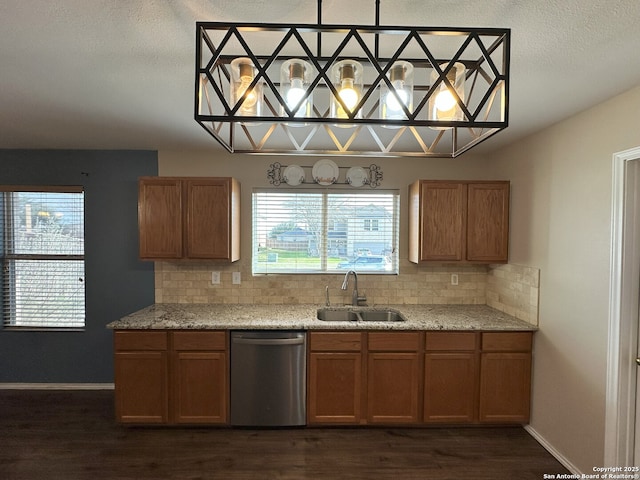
(638, 360)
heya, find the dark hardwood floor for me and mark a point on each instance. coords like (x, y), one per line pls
(71, 435)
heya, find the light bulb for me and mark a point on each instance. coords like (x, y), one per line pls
(243, 73)
(392, 100)
(395, 98)
(443, 104)
(295, 93)
(347, 80)
(251, 98)
(445, 100)
(246, 77)
(348, 94)
(295, 75)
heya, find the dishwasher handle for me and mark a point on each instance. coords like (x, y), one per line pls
(268, 341)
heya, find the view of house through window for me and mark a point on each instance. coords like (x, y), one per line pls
(42, 248)
(306, 231)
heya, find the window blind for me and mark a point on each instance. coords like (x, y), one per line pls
(43, 278)
(300, 231)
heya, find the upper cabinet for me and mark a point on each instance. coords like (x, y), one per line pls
(459, 221)
(189, 218)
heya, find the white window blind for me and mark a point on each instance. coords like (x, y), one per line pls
(306, 231)
(42, 247)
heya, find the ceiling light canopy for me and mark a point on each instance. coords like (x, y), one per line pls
(351, 90)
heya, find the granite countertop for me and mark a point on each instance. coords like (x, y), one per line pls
(172, 316)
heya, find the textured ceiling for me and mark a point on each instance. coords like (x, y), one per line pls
(119, 74)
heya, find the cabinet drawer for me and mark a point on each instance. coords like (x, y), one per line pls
(140, 340)
(335, 341)
(199, 340)
(507, 341)
(394, 341)
(450, 341)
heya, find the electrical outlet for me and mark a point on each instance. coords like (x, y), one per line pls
(235, 278)
(454, 279)
(215, 278)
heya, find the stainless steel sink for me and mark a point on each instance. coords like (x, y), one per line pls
(328, 315)
(381, 316)
(351, 315)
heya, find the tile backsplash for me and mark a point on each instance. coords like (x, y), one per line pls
(512, 289)
(190, 282)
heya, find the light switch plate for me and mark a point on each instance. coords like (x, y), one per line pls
(215, 278)
(235, 278)
(454, 279)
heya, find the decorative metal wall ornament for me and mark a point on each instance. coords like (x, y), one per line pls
(370, 176)
(351, 90)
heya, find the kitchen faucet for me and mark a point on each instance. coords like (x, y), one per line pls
(355, 298)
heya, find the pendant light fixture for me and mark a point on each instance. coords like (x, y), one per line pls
(351, 89)
(295, 77)
(444, 103)
(347, 80)
(245, 97)
(396, 100)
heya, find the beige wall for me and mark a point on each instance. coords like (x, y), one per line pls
(560, 223)
(190, 281)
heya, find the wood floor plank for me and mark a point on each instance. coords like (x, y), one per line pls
(72, 435)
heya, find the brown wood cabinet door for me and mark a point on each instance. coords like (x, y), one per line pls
(442, 221)
(208, 218)
(334, 388)
(488, 222)
(505, 387)
(199, 385)
(393, 387)
(160, 217)
(451, 383)
(141, 387)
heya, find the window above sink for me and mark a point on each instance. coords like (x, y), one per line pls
(307, 231)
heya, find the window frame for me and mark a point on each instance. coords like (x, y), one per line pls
(329, 225)
(9, 257)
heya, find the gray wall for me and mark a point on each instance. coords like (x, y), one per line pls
(117, 283)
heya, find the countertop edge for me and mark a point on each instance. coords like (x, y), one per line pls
(303, 317)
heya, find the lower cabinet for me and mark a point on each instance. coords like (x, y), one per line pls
(393, 377)
(334, 382)
(199, 377)
(170, 377)
(505, 377)
(141, 377)
(353, 378)
(482, 377)
(450, 377)
(354, 372)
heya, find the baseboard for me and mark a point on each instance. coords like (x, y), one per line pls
(56, 386)
(549, 448)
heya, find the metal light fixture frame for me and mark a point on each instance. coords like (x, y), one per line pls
(485, 53)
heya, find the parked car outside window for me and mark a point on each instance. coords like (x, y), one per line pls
(367, 262)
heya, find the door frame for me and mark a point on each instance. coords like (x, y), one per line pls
(623, 310)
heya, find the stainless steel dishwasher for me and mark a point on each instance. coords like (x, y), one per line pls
(268, 378)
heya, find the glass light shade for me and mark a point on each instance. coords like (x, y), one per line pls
(295, 78)
(443, 105)
(391, 105)
(347, 78)
(242, 74)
